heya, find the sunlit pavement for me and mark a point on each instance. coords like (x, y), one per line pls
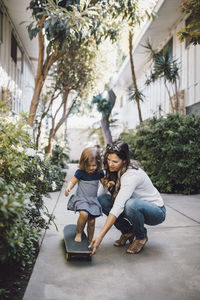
(168, 268)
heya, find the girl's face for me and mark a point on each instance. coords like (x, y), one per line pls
(91, 167)
(114, 162)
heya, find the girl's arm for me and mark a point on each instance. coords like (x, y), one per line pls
(97, 240)
(70, 185)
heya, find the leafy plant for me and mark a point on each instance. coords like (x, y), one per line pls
(25, 177)
(17, 234)
(128, 137)
(167, 68)
(169, 150)
(191, 32)
(59, 157)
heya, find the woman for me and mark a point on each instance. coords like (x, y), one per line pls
(133, 200)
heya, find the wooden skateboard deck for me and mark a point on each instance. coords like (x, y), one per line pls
(76, 249)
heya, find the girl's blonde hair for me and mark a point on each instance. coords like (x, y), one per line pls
(89, 155)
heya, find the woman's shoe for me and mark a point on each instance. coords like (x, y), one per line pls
(123, 239)
(137, 246)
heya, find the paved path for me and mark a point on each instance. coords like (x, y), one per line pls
(167, 269)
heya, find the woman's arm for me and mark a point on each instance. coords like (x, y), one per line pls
(97, 240)
(70, 185)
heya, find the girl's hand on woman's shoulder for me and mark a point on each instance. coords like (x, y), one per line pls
(110, 183)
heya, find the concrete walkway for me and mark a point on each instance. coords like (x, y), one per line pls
(167, 269)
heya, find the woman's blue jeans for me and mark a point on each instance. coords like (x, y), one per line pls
(136, 213)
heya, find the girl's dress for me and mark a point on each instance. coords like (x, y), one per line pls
(85, 198)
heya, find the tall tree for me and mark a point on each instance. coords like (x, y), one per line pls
(74, 72)
(105, 103)
(59, 22)
(166, 67)
(47, 103)
(131, 13)
(135, 94)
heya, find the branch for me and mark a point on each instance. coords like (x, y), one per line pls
(41, 49)
(64, 117)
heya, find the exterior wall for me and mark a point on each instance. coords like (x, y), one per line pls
(156, 98)
(16, 78)
(77, 139)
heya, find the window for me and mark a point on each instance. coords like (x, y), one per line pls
(1, 26)
(19, 60)
(13, 48)
(193, 109)
(16, 53)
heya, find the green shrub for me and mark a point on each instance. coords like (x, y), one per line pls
(169, 149)
(128, 137)
(59, 157)
(17, 234)
(25, 176)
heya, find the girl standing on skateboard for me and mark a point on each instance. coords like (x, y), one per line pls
(85, 200)
(133, 202)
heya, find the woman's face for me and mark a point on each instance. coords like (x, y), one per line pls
(114, 162)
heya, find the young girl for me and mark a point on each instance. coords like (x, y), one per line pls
(85, 199)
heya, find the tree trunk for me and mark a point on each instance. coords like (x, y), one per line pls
(105, 124)
(40, 123)
(64, 117)
(134, 76)
(170, 99)
(42, 72)
(39, 79)
(48, 148)
(177, 97)
(106, 130)
(39, 131)
(35, 100)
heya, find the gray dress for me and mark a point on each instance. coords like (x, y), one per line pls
(85, 198)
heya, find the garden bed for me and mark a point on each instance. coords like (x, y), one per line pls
(15, 280)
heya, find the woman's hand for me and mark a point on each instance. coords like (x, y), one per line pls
(95, 244)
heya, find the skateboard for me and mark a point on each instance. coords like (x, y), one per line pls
(75, 249)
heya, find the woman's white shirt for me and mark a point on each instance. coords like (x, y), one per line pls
(135, 184)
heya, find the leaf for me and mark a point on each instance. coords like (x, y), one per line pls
(52, 3)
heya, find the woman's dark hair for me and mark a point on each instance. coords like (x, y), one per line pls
(121, 149)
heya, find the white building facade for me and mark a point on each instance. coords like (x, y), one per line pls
(18, 56)
(160, 32)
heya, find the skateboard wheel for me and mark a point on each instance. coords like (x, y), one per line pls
(89, 258)
(67, 256)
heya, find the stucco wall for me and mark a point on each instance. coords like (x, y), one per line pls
(20, 84)
(156, 98)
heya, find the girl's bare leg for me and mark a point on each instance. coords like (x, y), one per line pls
(83, 217)
(90, 228)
